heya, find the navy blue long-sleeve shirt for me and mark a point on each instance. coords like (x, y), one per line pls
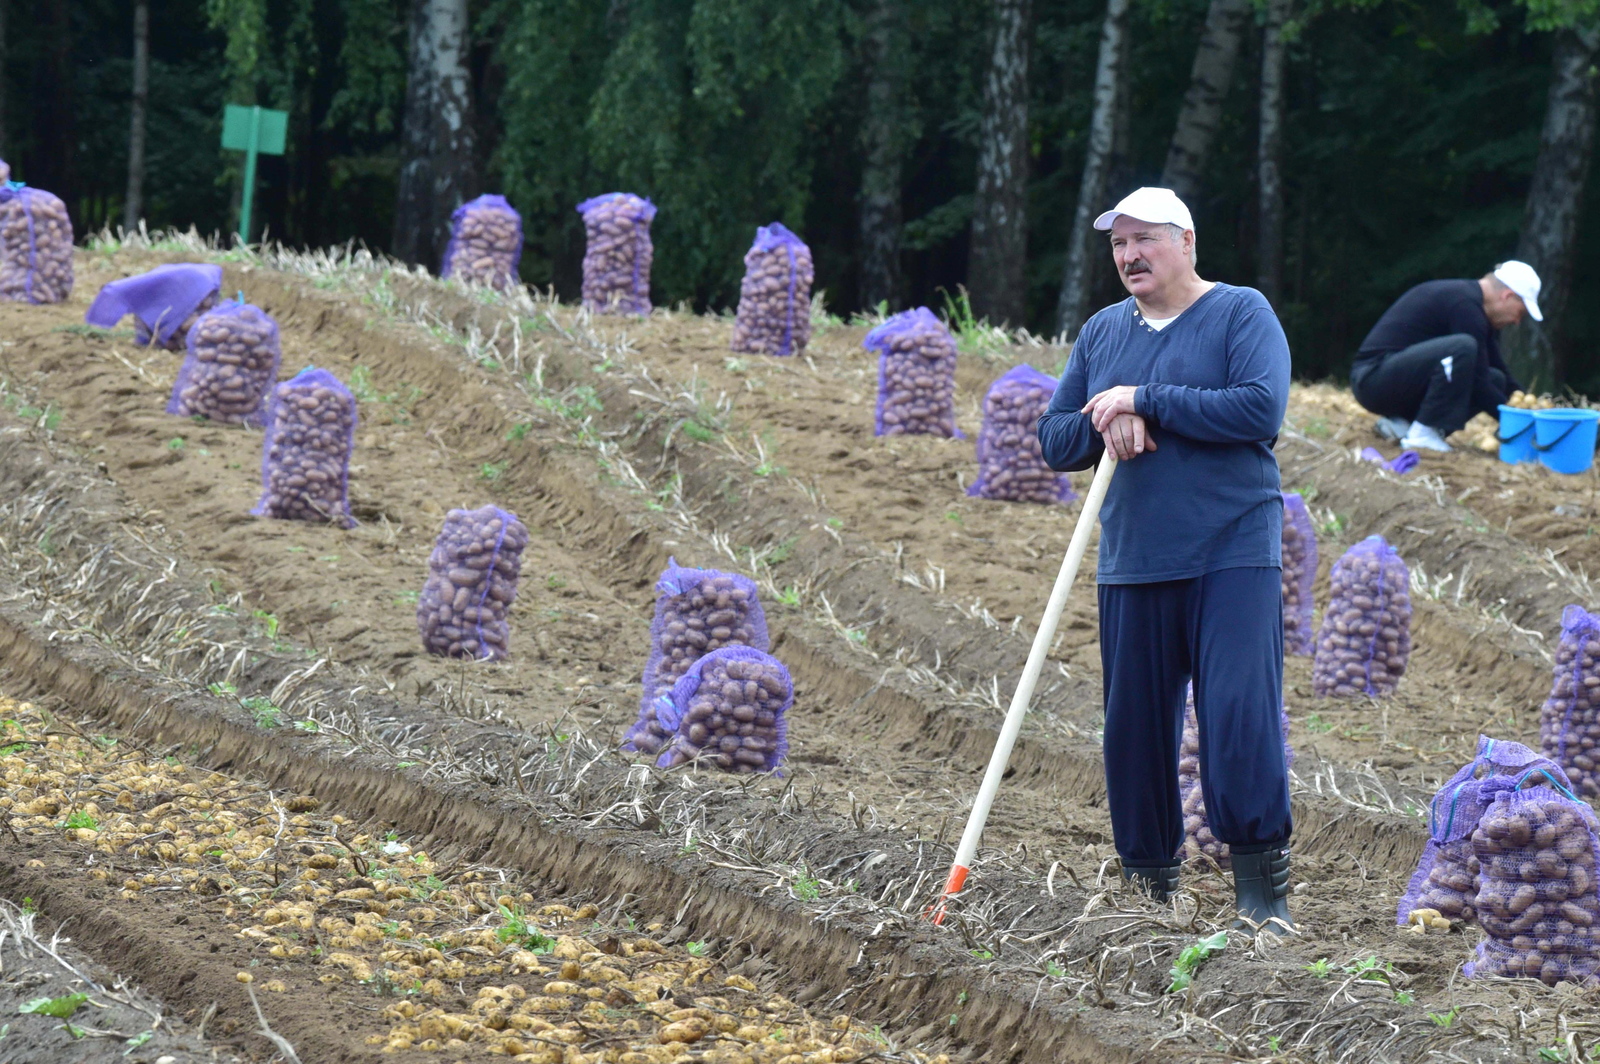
(1212, 387)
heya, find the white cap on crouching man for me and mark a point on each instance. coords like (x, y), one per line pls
(1521, 279)
(1162, 206)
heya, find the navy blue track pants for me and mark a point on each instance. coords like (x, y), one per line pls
(1224, 630)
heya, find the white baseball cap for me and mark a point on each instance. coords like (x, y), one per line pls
(1523, 280)
(1162, 206)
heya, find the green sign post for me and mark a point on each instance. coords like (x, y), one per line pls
(254, 131)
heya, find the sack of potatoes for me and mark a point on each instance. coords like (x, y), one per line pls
(1445, 882)
(729, 710)
(1011, 466)
(1536, 902)
(231, 366)
(916, 375)
(472, 582)
(775, 296)
(1569, 721)
(618, 254)
(35, 246)
(697, 611)
(485, 243)
(1198, 840)
(1365, 639)
(305, 460)
(1299, 574)
(165, 302)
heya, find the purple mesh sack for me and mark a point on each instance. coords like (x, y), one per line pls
(775, 295)
(305, 462)
(1446, 877)
(1198, 841)
(1010, 465)
(472, 582)
(1536, 883)
(165, 302)
(731, 708)
(485, 243)
(1569, 721)
(231, 366)
(35, 246)
(1299, 574)
(697, 611)
(916, 375)
(1366, 630)
(616, 261)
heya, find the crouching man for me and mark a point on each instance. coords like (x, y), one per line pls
(1186, 381)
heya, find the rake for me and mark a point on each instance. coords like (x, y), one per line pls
(1024, 693)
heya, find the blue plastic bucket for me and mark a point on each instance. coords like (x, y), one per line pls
(1565, 438)
(1516, 435)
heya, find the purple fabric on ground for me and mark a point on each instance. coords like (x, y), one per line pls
(166, 300)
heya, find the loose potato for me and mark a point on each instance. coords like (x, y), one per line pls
(916, 375)
(775, 295)
(617, 259)
(485, 243)
(472, 582)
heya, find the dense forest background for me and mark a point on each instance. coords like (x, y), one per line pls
(1340, 151)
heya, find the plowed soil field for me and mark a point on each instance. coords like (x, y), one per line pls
(425, 859)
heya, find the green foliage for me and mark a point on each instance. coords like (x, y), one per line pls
(60, 1008)
(1192, 957)
(696, 949)
(80, 819)
(516, 930)
(266, 714)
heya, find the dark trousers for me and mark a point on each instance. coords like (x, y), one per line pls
(1419, 384)
(1225, 631)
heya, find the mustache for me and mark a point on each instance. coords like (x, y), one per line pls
(1136, 266)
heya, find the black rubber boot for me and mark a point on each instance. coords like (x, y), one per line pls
(1261, 886)
(1159, 882)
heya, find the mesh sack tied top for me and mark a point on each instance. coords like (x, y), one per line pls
(305, 460)
(775, 295)
(916, 375)
(35, 246)
(485, 243)
(697, 611)
(231, 366)
(1011, 465)
(618, 254)
(730, 708)
(1365, 639)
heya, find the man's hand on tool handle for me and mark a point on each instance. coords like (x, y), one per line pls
(1113, 417)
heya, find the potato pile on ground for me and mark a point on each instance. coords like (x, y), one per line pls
(35, 246)
(231, 366)
(465, 961)
(1569, 721)
(472, 582)
(1010, 464)
(730, 709)
(1365, 639)
(1198, 840)
(305, 462)
(916, 375)
(1536, 887)
(165, 302)
(1445, 882)
(697, 611)
(1299, 574)
(485, 243)
(617, 258)
(775, 295)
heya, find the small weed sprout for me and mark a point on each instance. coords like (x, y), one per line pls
(265, 713)
(1192, 957)
(80, 820)
(696, 949)
(517, 931)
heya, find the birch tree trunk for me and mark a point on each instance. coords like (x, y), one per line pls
(1555, 199)
(1110, 71)
(437, 165)
(133, 203)
(883, 141)
(1269, 156)
(1209, 79)
(996, 274)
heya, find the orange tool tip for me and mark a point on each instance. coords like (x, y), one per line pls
(952, 887)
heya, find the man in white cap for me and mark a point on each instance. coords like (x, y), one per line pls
(1433, 360)
(1186, 381)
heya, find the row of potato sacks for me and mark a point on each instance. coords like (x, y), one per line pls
(35, 243)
